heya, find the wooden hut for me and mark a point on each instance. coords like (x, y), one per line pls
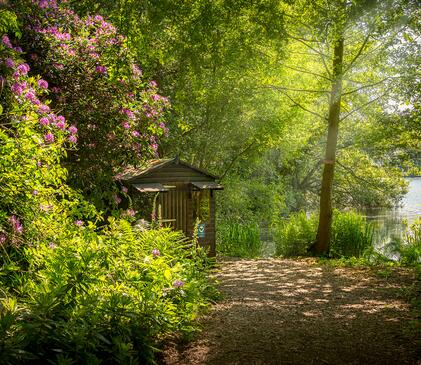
(180, 195)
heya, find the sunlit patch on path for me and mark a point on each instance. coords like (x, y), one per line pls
(297, 312)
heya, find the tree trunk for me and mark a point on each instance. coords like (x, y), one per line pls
(322, 243)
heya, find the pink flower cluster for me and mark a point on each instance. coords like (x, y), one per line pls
(25, 91)
(125, 113)
(16, 224)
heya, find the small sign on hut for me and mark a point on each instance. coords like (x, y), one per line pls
(180, 193)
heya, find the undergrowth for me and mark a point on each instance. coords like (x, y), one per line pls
(239, 239)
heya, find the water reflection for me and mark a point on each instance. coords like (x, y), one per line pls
(390, 223)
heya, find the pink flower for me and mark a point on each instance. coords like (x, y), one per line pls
(155, 97)
(72, 129)
(117, 199)
(61, 125)
(16, 89)
(16, 224)
(153, 83)
(72, 139)
(155, 252)
(43, 84)
(43, 4)
(79, 223)
(6, 41)
(94, 55)
(154, 146)
(136, 70)
(44, 121)
(44, 109)
(18, 49)
(178, 283)
(52, 117)
(23, 68)
(49, 137)
(124, 189)
(101, 69)
(125, 125)
(31, 96)
(3, 238)
(135, 134)
(130, 213)
(58, 66)
(128, 112)
(9, 62)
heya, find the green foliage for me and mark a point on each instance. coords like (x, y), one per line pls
(407, 248)
(293, 236)
(351, 235)
(73, 291)
(410, 249)
(239, 239)
(95, 296)
(95, 83)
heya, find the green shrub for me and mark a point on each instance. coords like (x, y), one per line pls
(105, 297)
(351, 235)
(295, 235)
(239, 239)
(408, 247)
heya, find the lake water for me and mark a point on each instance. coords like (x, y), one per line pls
(391, 222)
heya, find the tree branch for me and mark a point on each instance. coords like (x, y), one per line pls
(365, 86)
(352, 172)
(307, 45)
(307, 72)
(358, 54)
(304, 182)
(236, 158)
(299, 105)
(362, 106)
(280, 88)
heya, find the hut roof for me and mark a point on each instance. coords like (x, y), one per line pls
(131, 173)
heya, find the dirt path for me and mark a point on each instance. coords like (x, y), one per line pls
(297, 312)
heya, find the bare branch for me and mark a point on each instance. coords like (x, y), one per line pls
(307, 45)
(307, 72)
(358, 54)
(300, 90)
(253, 143)
(363, 106)
(296, 103)
(365, 86)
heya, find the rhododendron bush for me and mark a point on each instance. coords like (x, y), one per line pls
(76, 287)
(93, 80)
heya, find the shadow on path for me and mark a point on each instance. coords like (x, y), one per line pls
(295, 312)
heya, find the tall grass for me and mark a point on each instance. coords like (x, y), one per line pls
(239, 239)
(351, 235)
(410, 249)
(295, 235)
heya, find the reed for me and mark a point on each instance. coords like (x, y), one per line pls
(239, 239)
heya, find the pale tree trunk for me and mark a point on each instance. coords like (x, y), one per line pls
(322, 243)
